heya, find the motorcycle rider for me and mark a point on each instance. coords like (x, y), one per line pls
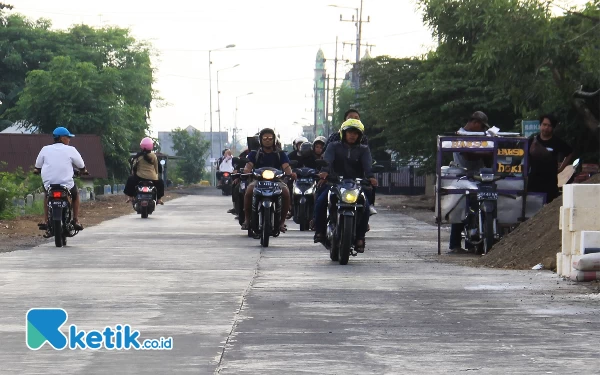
(351, 159)
(268, 155)
(56, 162)
(144, 167)
(225, 164)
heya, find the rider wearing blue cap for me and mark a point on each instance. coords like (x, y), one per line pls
(56, 162)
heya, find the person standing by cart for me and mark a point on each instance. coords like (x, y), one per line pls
(545, 152)
(472, 162)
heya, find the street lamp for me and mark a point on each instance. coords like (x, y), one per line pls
(219, 101)
(235, 122)
(210, 103)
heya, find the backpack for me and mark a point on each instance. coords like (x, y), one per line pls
(259, 153)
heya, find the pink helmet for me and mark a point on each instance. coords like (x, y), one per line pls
(147, 144)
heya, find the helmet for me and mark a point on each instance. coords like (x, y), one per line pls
(147, 144)
(352, 124)
(299, 140)
(62, 132)
(321, 139)
(267, 131)
(305, 149)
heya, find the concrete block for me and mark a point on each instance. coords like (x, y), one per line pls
(565, 213)
(589, 239)
(39, 197)
(575, 243)
(581, 195)
(566, 265)
(567, 242)
(585, 218)
(29, 200)
(559, 263)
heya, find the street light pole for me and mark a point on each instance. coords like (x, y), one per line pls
(210, 103)
(219, 102)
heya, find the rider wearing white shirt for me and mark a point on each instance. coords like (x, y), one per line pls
(56, 162)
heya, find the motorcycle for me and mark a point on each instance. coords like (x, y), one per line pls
(266, 204)
(60, 213)
(303, 198)
(345, 209)
(481, 229)
(144, 202)
(226, 183)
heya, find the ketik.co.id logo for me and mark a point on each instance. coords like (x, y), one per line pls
(43, 325)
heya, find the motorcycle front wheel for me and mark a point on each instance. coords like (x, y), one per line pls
(346, 240)
(488, 234)
(265, 233)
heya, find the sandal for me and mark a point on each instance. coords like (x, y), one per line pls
(359, 247)
(160, 202)
(77, 225)
(283, 228)
(245, 226)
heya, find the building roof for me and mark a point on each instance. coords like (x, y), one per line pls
(21, 150)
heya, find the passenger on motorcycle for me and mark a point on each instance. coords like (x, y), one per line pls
(318, 146)
(268, 155)
(350, 159)
(56, 162)
(306, 156)
(144, 167)
(295, 154)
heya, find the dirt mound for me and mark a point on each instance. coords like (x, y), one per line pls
(535, 241)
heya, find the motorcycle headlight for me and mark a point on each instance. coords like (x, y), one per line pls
(310, 190)
(297, 191)
(486, 177)
(268, 175)
(349, 195)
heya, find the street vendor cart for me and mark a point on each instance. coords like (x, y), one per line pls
(459, 192)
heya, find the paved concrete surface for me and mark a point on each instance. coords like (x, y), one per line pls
(234, 308)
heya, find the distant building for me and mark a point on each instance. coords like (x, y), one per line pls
(19, 128)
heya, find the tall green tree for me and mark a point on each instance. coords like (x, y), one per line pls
(193, 149)
(95, 81)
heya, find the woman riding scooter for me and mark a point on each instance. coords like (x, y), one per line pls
(144, 167)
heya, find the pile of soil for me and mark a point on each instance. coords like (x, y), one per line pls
(535, 241)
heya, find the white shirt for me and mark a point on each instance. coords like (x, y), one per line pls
(57, 161)
(226, 165)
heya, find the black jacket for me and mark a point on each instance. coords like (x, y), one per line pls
(350, 161)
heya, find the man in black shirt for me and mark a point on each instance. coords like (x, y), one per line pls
(545, 152)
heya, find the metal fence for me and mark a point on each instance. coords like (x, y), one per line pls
(403, 181)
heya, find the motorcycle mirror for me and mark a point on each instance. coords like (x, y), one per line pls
(576, 163)
(163, 162)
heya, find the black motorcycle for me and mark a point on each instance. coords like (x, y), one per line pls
(60, 213)
(303, 197)
(266, 204)
(481, 229)
(345, 209)
(144, 202)
(226, 183)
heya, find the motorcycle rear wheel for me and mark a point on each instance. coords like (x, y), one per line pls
(488, 234)
(58, 233)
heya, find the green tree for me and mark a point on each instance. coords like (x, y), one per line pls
(193, 148)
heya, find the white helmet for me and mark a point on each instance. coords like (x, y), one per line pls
(299, 141)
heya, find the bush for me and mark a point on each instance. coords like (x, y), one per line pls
(16, 185)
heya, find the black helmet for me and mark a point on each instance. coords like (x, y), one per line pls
(267, 131)
(305, 149)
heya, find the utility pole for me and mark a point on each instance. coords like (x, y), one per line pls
(358, 22)
(334, 83)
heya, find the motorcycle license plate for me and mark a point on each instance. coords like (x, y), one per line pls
(487, 196)
(58, 203)
(144, 196)
(266, 184)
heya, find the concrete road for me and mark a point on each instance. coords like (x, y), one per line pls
(231, 307)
